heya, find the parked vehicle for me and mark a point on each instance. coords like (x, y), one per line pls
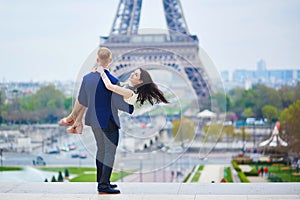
(177, 149)
(39, 161)
(82, 155)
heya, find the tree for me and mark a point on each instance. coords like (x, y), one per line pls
(60, 178)
(1, 103)
(270, 112)
(247, 113)
(68, 104)
(67, 173)
(53, 179)
(183, 129)
(290, 120)
(288, 95)
(49, 96)
(246, 99)
(213, 132)
(267, 96)
(222, 101)
(229, 133)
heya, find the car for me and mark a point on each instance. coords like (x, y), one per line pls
(82, 155)
(177, 149)
(259, 122)
(54, 151)
(64, 148)
(39, 161)
(75, 155)
(72, 147)
(250, 121)
(79, 155)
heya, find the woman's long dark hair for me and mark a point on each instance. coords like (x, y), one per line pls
(148, 90)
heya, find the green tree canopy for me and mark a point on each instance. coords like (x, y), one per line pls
(247, 113)
(246, 99)
(222, 101)
(267, 96)
(49, 96)
(290, 120)
(270, 112)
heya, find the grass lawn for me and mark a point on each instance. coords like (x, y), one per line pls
(72, 170)
(196, 177)
(6, 168)
(281, 172)
(92, 177)
(83, 174)
(197, 174)
(228, 174)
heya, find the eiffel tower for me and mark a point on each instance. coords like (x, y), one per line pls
(176, 51)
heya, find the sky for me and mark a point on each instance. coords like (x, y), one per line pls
(49, 40)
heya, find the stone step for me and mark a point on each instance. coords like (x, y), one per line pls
(149, 191)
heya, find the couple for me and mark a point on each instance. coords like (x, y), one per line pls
(100, 97)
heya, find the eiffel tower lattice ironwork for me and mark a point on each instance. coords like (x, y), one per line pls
(176, 51)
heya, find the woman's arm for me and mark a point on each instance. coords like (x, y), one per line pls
(125, 92)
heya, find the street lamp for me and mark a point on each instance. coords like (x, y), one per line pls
(164, 168)
(1, 155)
(141, 168)
(121, 172)
(154, 165)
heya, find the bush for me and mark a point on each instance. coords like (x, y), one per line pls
(228, 174)
(253, 172)
(60, 177)
(243, 177)
(53, 179)
(200, 168)
(67, 173)
(196, 177)
(273, 178)
(187, 178)
(236, 166)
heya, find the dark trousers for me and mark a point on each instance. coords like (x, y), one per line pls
(107, 142)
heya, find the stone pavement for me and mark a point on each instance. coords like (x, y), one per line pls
(154, 176)
(147, 191)
(212, 173)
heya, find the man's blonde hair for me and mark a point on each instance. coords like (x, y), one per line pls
(104, 55)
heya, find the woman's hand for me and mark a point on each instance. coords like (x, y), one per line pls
(94, 70)
(100, 70)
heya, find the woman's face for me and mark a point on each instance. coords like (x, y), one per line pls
(135, 77)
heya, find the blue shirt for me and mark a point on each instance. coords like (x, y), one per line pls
(102, 104)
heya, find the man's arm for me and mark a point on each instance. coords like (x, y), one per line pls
(120, 104)
(82, 96)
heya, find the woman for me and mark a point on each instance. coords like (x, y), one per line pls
(141, 88)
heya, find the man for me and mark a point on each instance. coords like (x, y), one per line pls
(102, 115)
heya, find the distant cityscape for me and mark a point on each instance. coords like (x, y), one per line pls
(274, 78)
(244, 78)
(14, 90)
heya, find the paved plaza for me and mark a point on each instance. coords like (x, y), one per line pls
(145, 191)
(133, 189)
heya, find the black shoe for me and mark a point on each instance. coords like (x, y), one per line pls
(113, 186)
(108, 191)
